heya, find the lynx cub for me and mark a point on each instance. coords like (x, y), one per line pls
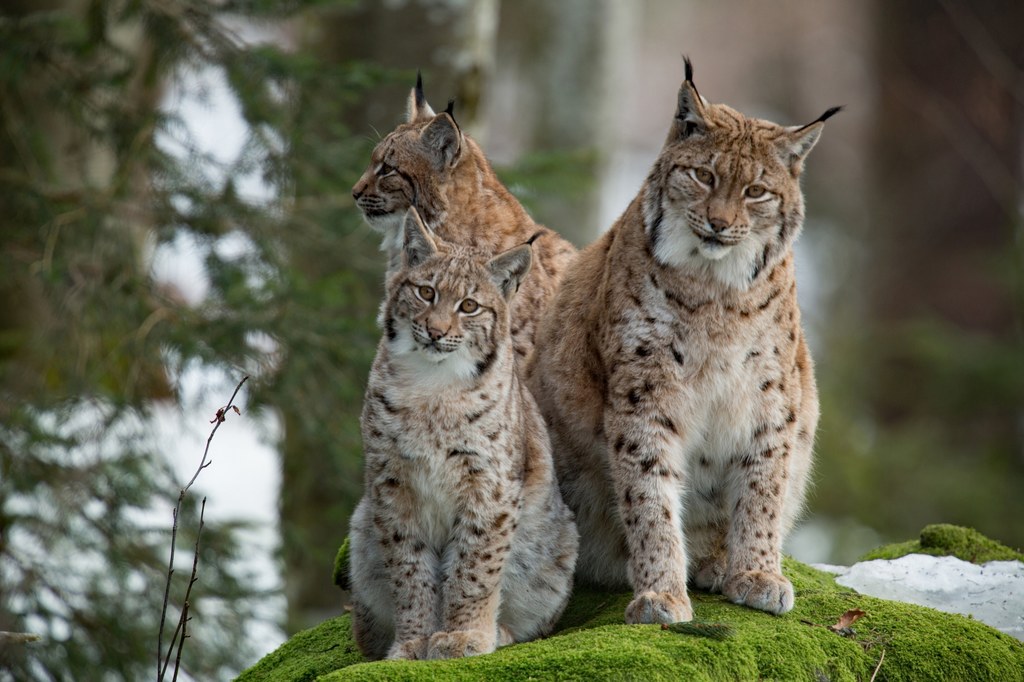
(682, 404)
(429, 163)
(461, 542)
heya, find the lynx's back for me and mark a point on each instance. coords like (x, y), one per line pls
(430, 164)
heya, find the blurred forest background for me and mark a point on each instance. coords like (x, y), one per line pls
(911, 268)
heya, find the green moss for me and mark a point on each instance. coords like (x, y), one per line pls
(309, 655)
(943, 539)
(340, 575)
(592, 643)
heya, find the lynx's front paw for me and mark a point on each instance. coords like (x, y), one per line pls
(770, 592)
(658, 607)
(414, 649)
(460, 643)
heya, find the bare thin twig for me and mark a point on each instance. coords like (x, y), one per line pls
(878, 667)
(161, 661)
(167, 592)
(184, 617)
(183, 621)
(181, 642)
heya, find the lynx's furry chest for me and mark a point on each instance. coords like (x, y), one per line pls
(447, 444)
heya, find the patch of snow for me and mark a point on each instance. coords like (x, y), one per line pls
(832, 568)
(992, 593)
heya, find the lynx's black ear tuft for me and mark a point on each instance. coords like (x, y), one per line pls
(797, 143)
(421, 99)
(824, 117)
(450, 109)
(417, 108)
(690, 118)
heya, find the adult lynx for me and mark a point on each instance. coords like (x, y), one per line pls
(461, 542)
(429, 163)
(682, 403)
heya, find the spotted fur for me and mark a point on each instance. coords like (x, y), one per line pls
(429, 163)
(682, 404)
(461, 542)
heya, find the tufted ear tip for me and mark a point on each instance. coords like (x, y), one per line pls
(799, 141)
(690, 117)
(417, 108)
(829, 113)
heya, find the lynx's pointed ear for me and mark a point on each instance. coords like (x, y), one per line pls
(798, 142)
(417, 244)
(418, 109)
(508, 269)
(443, 138)
(690, 116)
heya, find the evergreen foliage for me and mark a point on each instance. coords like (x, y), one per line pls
(96, 175)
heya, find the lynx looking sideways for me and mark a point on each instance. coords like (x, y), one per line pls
(429, 163)
(682, 404)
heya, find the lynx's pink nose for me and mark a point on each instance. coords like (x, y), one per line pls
(718, 225)
(434, 333)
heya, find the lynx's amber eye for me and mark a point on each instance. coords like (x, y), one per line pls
(756, 191)
(704, 176)
(385, 169)
(469, 306)
(426, 293)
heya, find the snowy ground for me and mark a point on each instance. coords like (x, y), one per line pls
(992, 593)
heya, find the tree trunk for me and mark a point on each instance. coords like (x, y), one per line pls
(551, 96)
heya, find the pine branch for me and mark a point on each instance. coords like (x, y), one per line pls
(702, 629)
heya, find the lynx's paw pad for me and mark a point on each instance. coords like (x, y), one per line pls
(658, 607)
(770, 592)
(460, 643)
(414, 649)
(709, 575)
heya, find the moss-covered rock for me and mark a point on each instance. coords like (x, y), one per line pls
(943, 539)
(592, 643)
(340, 575)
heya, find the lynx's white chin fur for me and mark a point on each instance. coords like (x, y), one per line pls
(429, 367)
(389, 226)
(713, 250)
(730, 264)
